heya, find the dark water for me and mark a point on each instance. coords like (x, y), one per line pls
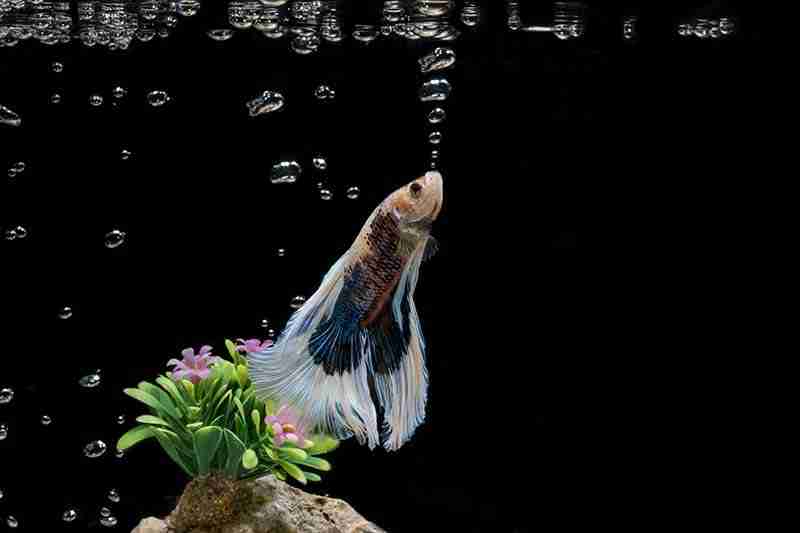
(533, 124)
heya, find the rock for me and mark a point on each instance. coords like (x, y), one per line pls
(151, 525)
(275, 507)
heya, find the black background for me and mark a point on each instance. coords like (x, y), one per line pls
(533, 125)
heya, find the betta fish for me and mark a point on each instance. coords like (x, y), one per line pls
(358, 337)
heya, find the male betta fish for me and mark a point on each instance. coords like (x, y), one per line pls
(359, 334)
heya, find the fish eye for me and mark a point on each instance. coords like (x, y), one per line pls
(415, 188)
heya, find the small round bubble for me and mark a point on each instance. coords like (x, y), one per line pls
(46, 420)
(69, 515)
(95, 100)
(435, 137)
(90, 381)
(297, 302)
(95, 449)
(114, 238)
(113, 495)
(353, 192)
(57, 67)
(325, 194)
(436, 115)
(65, 312)
(6, 395)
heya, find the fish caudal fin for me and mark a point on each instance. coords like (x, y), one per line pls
(336, 403)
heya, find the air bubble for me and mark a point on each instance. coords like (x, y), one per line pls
(114, 238)
(435, 90)
(264, 323)
(436, 115)
(220, 35)
(281, 252)
(8, 117)
(113, 495)
(95, 449)
(69, 515)
(157, 98)
(65, 312)
(57, 67)
(297, 302)
(320, 163)
(46, 420)
(6, 395)
(325, 194)
(439, 59)
(96, 100)
(12, 522)
(119, 92)
(353, 192)
(108, 521)
(3, 431)
(435, 137)
(125, 155)
(268, 102)
(55, 98)
(121, 419)
(105, 512)
(285, 172)
(90, 381)
(324, 92)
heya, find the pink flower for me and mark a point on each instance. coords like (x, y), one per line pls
(193, 367)
(253, 345)
(286, 427)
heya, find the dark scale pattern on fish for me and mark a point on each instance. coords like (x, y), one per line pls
(365, 282)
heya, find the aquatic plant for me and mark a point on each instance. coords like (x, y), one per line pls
(207, 418)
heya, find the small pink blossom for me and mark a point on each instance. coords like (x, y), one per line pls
(193, 367)
(252, 345)
(286, 427)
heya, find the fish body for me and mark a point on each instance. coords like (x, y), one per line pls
(359, 334)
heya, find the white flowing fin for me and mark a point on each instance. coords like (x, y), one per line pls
(403, 390)
(337, 403)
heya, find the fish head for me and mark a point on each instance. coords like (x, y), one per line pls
(418, 201)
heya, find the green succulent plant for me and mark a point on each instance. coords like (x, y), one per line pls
(218, 425)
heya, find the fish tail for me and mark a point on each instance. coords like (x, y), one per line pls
(336, 403)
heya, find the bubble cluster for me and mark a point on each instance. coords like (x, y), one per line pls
(324, 92)
(707, 28)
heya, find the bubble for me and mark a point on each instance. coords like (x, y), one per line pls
(1, 494)
(220, 34)
(264, 323)
(435, 90)
(285, 172)
(121, 419)
(157, 98)
(57, 67)
(434, 154)
(69, 515)
(55, 98)
(324, 92)
(365, 33)
(125, 155)
(297, 302)
(94, 449)
(11, 522)
(3, 432)
(436, 115)
(439, 59)
(65, 312)
(435, 137)
(281, 252)
(119, 92)
(46, 420)
(114, 238)
(105, 511)
(8, 117)
(21, 232)
(10, 234)
(96, 100)
(268, 102)
(120, 454)
(6, 395)
(325, 194)
(90, 381)
(353, 192)
(320, 163)
(108, 521)
(113, 495)
(19, 166)
(12, 173)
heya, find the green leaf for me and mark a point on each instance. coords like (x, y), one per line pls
(272, 454)
(249, 459)
(231, 349)
(134, 436)
(279, 474)
(170, 387)
(206, 442)
(242, 375)
(149, 419)
(194, 425)
(240, 407)
(271, 407)
(322, 444)
(171, 444)
(315, 462)
(235, 448)
(145, 398)
(189, 388)
(194, 412)
(293, 471)
(293, 454)
(311, 476)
